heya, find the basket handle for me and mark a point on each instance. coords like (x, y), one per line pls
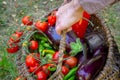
(58, 74)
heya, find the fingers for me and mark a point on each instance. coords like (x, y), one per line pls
(62, 22)
(60, 29)
(66, 17)
(60, 25)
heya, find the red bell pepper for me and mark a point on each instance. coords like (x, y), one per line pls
(80, 27)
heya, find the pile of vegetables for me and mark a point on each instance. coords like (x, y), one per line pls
(83, 59)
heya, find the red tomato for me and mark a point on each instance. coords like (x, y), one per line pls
(41, 75)
(36, 56)
(65, 56)
(33, 45)
(55, 56)
(71, 62)
(20, 33)
(11, 43)
(41, 26)
(35, 69)
(51, 20)
(26, 20)
(45, 69)
(16, 37)
(30, 61)
(13, 49)
(50, 65)
(65, 70)
(20, 78)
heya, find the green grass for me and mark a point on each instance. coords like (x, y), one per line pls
(7, 67)
(10, 19)
(112, 18)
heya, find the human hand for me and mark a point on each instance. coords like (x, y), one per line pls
(67, 15)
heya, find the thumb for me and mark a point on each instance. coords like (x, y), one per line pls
(58, 29)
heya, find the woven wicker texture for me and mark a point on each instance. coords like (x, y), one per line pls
(111, 70)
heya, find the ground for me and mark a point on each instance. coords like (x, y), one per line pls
(11, 12)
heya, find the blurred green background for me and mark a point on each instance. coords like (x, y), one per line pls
(11, 13)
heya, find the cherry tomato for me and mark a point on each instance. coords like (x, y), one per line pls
(51, 20)
(41, 75)
(71, 62)
(15, 38)
(65, 70)
(36, 56)
(55, 56)
(20, 78)
(41, 26)
(20, 33)
(33, 45)
(13, 49)
(30, 61)
(35, 69)
(65, 56)
(27, 20)
(45, 69)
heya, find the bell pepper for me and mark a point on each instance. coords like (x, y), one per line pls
(45, 52)
(80, 27)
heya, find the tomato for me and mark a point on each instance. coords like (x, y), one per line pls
(55, 56)
(19, 33)
(35, 68)
(41, 75)
(41, 25)
(45, 69)
(65, 56)
(51, 20)
(27, 20)
(30, 61)
(71, 62)
(20, 78)
(36, 56)
(65, 70)
(33, 45)
(80, 27)
(13, 49)
(16, 37)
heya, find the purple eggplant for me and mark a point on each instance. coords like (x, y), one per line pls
(95, 41)
(92, 67)
(55, 38)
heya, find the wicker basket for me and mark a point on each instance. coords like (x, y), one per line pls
(111, 70)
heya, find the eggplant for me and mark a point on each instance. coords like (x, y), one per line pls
(55, 38)
(93, 66)
(95, 41)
